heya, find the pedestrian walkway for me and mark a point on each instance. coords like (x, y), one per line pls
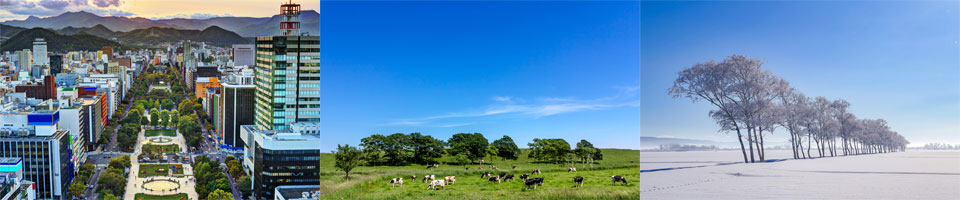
(159, 185)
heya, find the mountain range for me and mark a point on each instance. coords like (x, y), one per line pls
(56, 42)
(155, 35)
(244, 26)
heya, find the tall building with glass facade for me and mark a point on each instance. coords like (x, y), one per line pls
(287, 80)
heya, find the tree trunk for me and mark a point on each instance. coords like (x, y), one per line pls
(742, 149)
(761, 151)
(750, 141)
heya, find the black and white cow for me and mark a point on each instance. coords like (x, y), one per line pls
(524, 177)
(494, 179)
(619, 179)
(485, 174)
(578, 180)
(395, 181)
(436, 184)
(533, 182)
(572, 169)
(536, 171)
(502, 174)
(508, 177)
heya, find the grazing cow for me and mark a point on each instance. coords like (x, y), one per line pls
(514, 167)
(413, 177)
(579, 181)
(485, 174)
(428, 177)
(494, 179)
(502, 174)
(536, 171)
(450, 179)
(396, 181)
(467, 168)
(508, 177)
(533, 182)
(429, 166)
(435, 165)
(572, 169)
(619, 179)
(493, 167)
(436, 184)
(524, 177)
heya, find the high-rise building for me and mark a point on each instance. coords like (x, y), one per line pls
(281, 157)
(56, 64)
(45, 150)
(283, 147)
(108, 51)
(236, 101)
(24, 60)
(243, 55)
(40, 52)
(287, 76)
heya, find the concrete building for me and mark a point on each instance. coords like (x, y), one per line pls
(39, 90)
(12, 184)
(287, 80)
(297, 192)
(56, 64)
(281, 157)
(44, 148)
(243, 55)
(236, 102)
(40, 52)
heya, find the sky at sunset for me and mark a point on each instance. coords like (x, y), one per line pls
(153, 9)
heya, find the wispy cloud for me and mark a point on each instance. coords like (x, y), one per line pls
(517, 108)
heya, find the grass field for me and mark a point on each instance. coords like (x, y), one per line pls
(164, 132)
(170, 148)
(168, 197)
(372, 182)
(147, 170)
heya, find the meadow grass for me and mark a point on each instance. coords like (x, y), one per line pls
(163, 132)
(371, 182)
(155, 197)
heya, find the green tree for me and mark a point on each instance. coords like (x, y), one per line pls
(585, 152)
(185, 107)
(167, 103)
(245, 185)
(154, 117)
(373, 146)
(220, 195)
(165, 117)
(506, 148)
(105, 136)
(347, 158)
(554, 150)
(133, 116)
(109, 196)
(426, 149)
(174, 118)
(473, 146)
(76, 189)
(156, 102)
(112, 181)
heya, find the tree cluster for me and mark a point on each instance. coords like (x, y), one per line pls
(209, 176)
(113, 181)
(401, 149)
(752, 102)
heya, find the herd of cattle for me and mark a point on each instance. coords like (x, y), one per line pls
(502, 176)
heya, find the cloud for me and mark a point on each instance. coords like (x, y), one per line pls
(106, 3)
(509, 107)
(54, 4)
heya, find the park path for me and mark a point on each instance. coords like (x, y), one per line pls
(134, 183)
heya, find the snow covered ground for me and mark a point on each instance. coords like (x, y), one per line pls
(709, 175)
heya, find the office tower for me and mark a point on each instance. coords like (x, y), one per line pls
(287, 76)
(45, 150)
(40, 52)
(243, 55)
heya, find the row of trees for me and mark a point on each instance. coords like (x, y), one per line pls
(463, 148)
(752, 102)
(113, 181)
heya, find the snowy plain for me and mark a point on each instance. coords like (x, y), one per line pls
(717, 175)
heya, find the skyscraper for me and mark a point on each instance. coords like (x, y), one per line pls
(40, 52)
(287, 76)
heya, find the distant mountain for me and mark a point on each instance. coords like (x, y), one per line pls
(7, 31)
(99, 30)
(155, 35)
(56, 42)
(244, 26)
(655, 142)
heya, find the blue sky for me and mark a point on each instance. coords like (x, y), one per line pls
(899, 61)
(525, 69)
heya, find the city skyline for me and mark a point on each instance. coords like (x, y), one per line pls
(168, 9)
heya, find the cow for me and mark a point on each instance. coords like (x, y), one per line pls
(533, 182)
(514, 166)
(396, 181)
(502, 174)
(493, 167)
(436, 184)
(450, 179)
(508, 177)
(572, 169)
(578, 180)
(494, 179)
(524, 177)
(619, 179)
(466, 168)
(428, 177)
(413, 177)
(536, 171)
(485, 174)
(429, 166)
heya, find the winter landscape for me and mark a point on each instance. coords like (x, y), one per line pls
(800, 100)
